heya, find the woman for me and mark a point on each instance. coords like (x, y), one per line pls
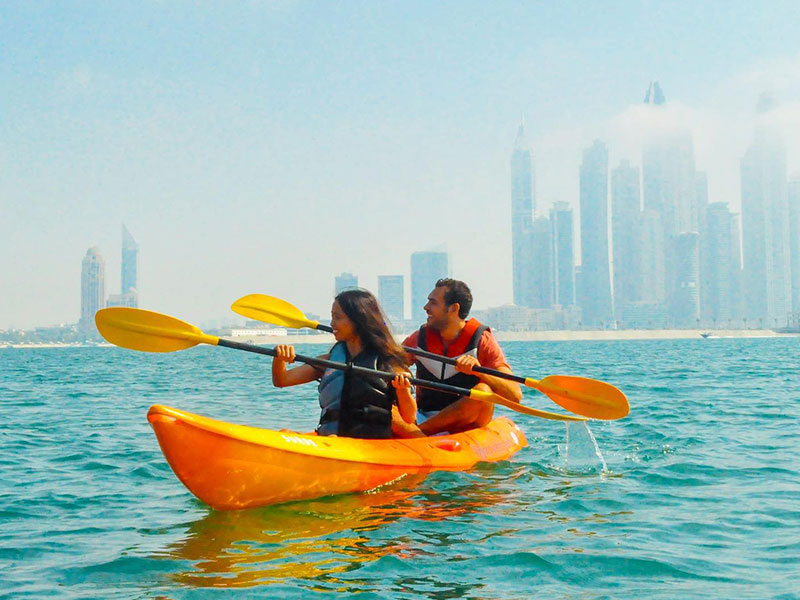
(355, 405)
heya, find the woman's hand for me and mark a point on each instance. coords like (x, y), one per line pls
(285, 353)
(402, 381)
(406, 405)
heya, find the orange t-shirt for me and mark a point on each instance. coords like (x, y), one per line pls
(490, 354)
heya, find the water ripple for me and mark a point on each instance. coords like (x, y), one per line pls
(699, 494)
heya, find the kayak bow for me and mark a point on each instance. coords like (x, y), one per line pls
(231, 466)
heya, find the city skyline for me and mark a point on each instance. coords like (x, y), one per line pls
(699, 257)
(673, 259)
(329, 135)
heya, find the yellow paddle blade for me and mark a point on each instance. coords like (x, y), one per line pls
(520, 408)
(272, 310)
(584, 396)
(148, 331)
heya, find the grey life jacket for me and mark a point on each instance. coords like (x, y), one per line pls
(355, 405)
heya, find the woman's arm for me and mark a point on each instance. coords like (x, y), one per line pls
(406, 405)
(283, 378)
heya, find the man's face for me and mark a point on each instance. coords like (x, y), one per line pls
(439, 314)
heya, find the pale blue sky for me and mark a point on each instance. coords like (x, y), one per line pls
(268, 146)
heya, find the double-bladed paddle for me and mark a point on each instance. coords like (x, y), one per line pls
(147, 331)
(580, 395)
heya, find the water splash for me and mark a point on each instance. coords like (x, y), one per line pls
(581, 451)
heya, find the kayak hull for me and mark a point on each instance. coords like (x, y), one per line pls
(232, 467)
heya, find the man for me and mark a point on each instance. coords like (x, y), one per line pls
(448, 332)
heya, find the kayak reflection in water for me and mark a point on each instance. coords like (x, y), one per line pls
(355, 405)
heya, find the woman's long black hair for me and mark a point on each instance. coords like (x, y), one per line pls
(363, 310)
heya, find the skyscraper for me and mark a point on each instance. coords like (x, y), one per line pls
(651, 259)
(625, 229)
(720, 276)
(563, 255)
(794, 245)
(595, 279)
(93, 289)
(685, 309)
(345, 281)
(737, 278)
(654, 95)
(765, 229)
(129, 295)
(522, 207)
(130, 259)
(426, 269)
(669, 188)
(542, 275)
(390, 296)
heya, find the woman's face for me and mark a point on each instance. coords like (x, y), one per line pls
(343, 328)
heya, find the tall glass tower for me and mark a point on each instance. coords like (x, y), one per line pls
(686, 298)
(426, 269)
(390, 296)
(345, 281)
(765, 228)
(93, 289)
(595, 285)
(563, 256)
(130, 261)
(794, 245)
(625, 229)
(522, 208)
(720, 277)
(670, 187)
(543, 276)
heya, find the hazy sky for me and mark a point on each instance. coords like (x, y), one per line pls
(268, 146)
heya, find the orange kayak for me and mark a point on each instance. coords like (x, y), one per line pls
(231, 466)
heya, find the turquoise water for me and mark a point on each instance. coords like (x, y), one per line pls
(701, 496)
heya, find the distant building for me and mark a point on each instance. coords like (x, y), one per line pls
(563, 254)
(765, 229)
(670, 187)
(522, 209)
(93, 289)
(130, 261)
(511, 317)
(701, 197)
(644, 315)
(253, 332)
(595, 301)
(625, 231)
(390, 296)
(542, 294)
(652, 285)
(654, 94)
(649, 305)
(737, 298)
(794, 244)
(685, 310)
(130, 299)
(345, 281)
(426, 269)
(721, 275)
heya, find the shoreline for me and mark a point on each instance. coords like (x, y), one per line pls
(502, 336)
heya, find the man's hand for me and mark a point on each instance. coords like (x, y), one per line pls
(466, 362)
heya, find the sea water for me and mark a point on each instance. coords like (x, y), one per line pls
(696, 494)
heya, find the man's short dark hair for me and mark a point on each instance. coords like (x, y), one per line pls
(456, 291)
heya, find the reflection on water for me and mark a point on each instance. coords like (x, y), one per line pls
(319, 540)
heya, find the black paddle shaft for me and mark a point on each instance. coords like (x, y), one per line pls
(329, 364)
(446, 359)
